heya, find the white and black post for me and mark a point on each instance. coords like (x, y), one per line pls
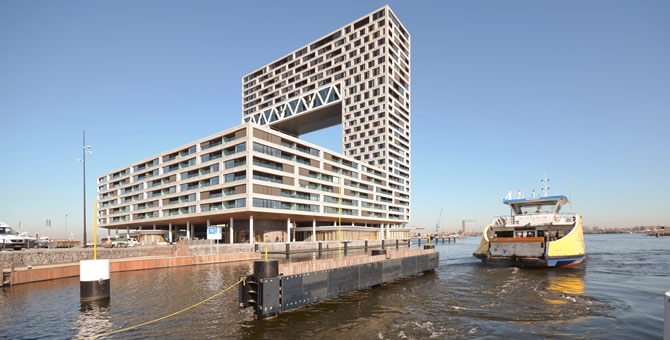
(94, 279)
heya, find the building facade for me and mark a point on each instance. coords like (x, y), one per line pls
(252, 180)
(260, 181)
(357, 76)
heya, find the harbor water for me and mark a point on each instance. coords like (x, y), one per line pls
(616, 294)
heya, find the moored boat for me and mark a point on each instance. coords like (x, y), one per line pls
(535, 234)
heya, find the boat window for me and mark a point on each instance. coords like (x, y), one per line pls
(504, 233)
(538, 208)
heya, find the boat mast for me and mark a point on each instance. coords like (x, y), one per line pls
(546, 182)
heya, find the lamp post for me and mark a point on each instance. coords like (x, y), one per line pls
(85, 150)
(66, 226)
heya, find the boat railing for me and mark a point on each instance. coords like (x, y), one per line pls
(521, 220)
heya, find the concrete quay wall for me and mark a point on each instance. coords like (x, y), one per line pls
(37, 257)
(327, 264)
(59, 271)
(218, 249)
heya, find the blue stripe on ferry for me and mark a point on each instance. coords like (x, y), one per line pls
(563, 262)
(533, 199)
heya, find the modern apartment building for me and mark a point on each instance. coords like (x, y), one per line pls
(357, 76)
(264, 184)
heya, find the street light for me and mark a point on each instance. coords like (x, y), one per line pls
(66, 226)
(84, 152)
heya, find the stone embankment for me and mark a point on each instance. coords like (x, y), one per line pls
(37, 257)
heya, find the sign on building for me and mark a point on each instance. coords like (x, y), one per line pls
(214, 233)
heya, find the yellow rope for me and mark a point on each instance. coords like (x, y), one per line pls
(165, 317)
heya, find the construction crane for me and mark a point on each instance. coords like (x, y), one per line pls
(437, 225)
(463, 225)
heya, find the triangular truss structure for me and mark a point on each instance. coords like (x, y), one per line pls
(302, 105)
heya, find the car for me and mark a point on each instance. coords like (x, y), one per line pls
(123, 242)
(120, 242)
(9, 239)
(41, 243)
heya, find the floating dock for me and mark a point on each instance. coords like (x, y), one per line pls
(274, 288)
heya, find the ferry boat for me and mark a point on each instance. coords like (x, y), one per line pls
(535, 234)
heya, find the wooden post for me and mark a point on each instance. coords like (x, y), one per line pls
(11, 273)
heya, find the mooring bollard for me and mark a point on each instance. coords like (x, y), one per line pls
(345, 247)
(429, 246)
(383, 244)
(263, 269)
(397, 244)
(366, 246)
(419, 242)
(93, 280)
(666, 332)
(320, 248)
(409, 243)
(288, 248)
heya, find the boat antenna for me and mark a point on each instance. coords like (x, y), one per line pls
(546, 183)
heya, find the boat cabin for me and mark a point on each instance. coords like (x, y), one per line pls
(541, 205)
(534, 217)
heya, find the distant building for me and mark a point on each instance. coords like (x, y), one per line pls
(260, 181)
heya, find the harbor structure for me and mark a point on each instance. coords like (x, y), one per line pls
(259, 181)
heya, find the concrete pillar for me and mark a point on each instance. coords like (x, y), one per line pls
(251, 229)
(382, 231)
(192, 231)
(188, 231)
(154, 227)
(127, 233)
(170, 232)
(231, 231)
(313, 230)
(288, 230)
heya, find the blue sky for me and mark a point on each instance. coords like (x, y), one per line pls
(502, 91)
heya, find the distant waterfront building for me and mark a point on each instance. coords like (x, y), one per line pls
(264, 184)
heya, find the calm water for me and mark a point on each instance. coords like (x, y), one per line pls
(616, 293)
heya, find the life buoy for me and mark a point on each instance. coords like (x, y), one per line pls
(555, 218)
